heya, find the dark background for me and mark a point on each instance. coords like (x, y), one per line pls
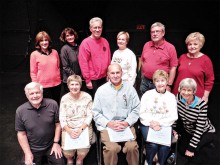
(22, 19)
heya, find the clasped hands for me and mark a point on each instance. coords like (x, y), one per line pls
(155, 125)
(75, 133)
(117, 125)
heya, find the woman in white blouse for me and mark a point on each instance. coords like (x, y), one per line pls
(158, 111)
(125, 58)
(75, 117)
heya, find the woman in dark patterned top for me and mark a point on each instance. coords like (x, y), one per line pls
(193, 124)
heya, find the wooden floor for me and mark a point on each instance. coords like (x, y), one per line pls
(12, 95)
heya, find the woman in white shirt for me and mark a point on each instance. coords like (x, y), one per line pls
(125, 58)
(158, 110)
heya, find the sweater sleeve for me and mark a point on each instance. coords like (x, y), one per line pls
(200, 125)
(209, 74)
(33, 67)
(132, 70)
(84, 57)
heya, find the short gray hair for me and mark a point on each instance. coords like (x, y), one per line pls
(188, 83)
(95, 19)
(32, 85)
(159, 24)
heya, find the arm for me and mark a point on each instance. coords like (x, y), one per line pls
(56, 149)
(132, 72)
(209, 79)
(23, 141)
(33, 68)
(172, 74)
(84, 57)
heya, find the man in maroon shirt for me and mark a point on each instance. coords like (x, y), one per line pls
(157, 54)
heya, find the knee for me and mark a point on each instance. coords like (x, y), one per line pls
(130, 147)
(112, 148)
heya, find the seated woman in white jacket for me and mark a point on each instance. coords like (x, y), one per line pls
(158, 111)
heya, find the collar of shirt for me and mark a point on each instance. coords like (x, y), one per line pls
(194, 103)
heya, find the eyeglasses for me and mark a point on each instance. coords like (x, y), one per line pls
(156, 31)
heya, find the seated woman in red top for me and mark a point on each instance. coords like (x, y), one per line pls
(196, 65)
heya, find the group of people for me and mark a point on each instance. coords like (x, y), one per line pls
(99, 87)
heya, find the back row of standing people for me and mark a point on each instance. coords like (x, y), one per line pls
(93, 56)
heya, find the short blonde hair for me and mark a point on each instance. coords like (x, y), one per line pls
(195, 36)
(76, 78)
(126, 34)
(188, 83)
(160, 73)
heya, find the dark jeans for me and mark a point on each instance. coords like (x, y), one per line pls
(153, 148)
(50, 158)
(53, 93)
(146, 84)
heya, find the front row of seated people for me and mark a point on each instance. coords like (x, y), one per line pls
(116, 106)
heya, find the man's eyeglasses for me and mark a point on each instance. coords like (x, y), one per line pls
(156, 31)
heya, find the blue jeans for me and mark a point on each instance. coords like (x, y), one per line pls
(153, 148)
(146, 84)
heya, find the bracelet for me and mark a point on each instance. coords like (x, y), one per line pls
(55, 142)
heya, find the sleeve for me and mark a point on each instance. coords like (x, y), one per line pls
(209, 75)
(173, 57)
(98, 116)
(132, 72)
(84, 57)
(19, 125)
(199, 127)
(62, 113)
(143, 114)
(33, 67)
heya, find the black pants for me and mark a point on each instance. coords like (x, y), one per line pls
(183, 142)
(96, 84)
(51, 159)
(53, 93)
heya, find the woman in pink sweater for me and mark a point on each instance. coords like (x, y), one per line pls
(45, 66)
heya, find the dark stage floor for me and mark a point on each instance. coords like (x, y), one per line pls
(12, 95)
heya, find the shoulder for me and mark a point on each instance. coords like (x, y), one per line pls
(86, 95)
(23, 107)
(48, 101)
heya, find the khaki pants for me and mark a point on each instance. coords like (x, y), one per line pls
(111, 149)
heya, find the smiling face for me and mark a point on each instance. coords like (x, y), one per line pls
(74, 87)
(160, 84)
(115, 74)
(187, 93)
(70, 38)
(194, 46)
(44, 44)
(35, 96)
(157, 34)
(96, 29)
(122, 41)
